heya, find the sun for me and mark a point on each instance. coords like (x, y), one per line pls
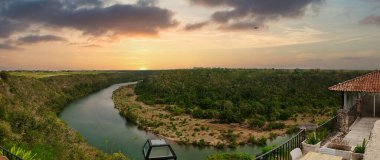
(143, 68)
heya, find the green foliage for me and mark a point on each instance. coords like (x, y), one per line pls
(256, 123)
(237, 95)
(200, 143)
(275, 125)
(323, 133)
(22, 153)
(292, 129)
(230, 136)
(230, 156)
(203, 114)
(3, 75)
(272, 135)
(45, 74)
(251, 140)
(312, 138)
(130, 116)
(29, 109)
(261, 141)
(285, 115)
(175, 110)
(360, 148)
(267, 149)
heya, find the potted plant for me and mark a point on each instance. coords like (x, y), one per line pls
(341, 147)
(359, 151)
(312, 143)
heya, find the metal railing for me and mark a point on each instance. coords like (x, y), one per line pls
(282, 152)
(8, 154)
(327, 129)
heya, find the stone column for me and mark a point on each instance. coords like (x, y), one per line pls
(343, 121)
(358, 108)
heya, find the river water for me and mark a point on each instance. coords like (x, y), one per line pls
(97, 120)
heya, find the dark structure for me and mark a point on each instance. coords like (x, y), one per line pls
(158, 150)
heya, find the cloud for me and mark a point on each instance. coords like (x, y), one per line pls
(91, 46)
(244, 26)
(147, 2)
(90, 17)
(39, 39)
(244, 14)
(4, 46)
(371, 20)
(195, 26)
(8, 27)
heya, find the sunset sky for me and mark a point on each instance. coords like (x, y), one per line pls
(168, 34)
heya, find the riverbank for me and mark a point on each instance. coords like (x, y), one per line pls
(180, 127)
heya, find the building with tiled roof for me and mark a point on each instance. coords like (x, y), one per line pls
(369, 83)
(364, 90)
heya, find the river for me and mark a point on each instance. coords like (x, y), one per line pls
(97, 120)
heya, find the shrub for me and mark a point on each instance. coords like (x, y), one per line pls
(361, 148)
(285, 115)
(272, 135)
(230, 156)
(312, 138)
(220, 145)
(267, 149)
(251, 140)
(3, 76)
(203, 114)
(118, 156)
(261, 141)
(200, 143)
(275, 125)
(292, 129)
(256, 123)
(230, 136)
(175, 110)
(24, 154)
(178, 133)
(233, 144)
(130, 116)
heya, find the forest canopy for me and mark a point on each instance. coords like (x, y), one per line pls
(235, 95)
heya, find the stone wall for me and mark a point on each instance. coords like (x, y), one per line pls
(343, 121)
(373, 148)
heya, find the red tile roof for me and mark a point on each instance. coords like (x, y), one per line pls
(366, 83)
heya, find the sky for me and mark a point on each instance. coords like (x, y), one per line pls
(171, 34)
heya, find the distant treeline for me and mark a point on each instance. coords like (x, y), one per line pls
(29, 109)
(237, 95)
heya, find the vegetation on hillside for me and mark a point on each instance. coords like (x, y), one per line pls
(29, 109)
(45, 74)
(230, 156)
(245, 95)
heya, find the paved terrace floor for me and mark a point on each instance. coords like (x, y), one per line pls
(360, 130)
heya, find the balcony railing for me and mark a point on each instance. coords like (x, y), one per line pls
(8, 154)
(282, 152)
(327, 129)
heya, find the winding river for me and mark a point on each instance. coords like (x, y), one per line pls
(97, 120)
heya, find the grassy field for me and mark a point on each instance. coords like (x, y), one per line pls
(45, 74)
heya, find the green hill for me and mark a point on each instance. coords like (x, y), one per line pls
(29, 109)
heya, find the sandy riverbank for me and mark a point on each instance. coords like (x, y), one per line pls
(187, 130)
